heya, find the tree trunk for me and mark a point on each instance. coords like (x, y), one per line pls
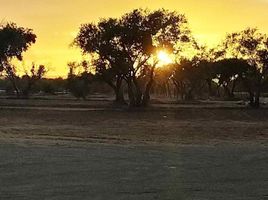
(257, 94)
(218, 91)
(138, 93)
(257, 100)
(131, 96)
(254, 97)
(227, 92)
(119, 93)
(233, 88)
(251, 99)
(146, 95)
(117, 88)
(119, 96)
(14, 84)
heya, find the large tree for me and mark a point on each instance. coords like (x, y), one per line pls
(127, 46)
(252, 46)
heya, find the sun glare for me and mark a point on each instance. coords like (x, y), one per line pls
(164, 58)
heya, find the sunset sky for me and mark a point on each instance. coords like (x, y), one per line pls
(56, 22)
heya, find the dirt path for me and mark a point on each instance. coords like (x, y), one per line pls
(70, 170)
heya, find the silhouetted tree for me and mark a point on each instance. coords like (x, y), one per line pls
(252, 46)
(13, 42)
(163, 80)
(128, 44)
(187, 78)
(29, 80)
(79, 84)
(23, 85)
(101, 41)
(228, 72)
(10, 74)
(111, 76)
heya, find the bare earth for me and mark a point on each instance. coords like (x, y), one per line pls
(82, 151)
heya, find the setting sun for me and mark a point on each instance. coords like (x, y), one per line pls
(164, 58)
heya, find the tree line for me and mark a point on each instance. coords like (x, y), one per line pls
(123, 55)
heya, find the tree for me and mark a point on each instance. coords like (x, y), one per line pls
(163, 80)
(29, 80)
(228, 72)
(252, 46)
(101, 43)
(23, 85)
(128, 44)
(111, 76)
(79, 83)
(13, 42)
(187, 78)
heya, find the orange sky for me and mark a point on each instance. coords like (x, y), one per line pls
(56, 21)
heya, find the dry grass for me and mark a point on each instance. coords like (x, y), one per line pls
(173, 125)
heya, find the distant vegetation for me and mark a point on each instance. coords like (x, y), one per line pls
(123, 60)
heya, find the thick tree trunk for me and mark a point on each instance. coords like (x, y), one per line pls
(119, 93)
(117, 88)
(138, 92)
(146, 95)
(254, 97)
(131, 96)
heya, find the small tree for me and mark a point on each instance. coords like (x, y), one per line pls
(13, 42)
(79, 83)
(29, 80)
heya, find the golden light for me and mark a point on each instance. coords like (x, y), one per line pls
(164, 58)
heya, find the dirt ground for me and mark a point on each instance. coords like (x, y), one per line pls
(52, 149)
(165, 124)
(68, 170)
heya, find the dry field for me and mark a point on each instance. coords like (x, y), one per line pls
(101, 122)
(67, 149)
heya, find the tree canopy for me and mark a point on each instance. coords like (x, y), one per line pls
(128, 44)
(14, 41)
